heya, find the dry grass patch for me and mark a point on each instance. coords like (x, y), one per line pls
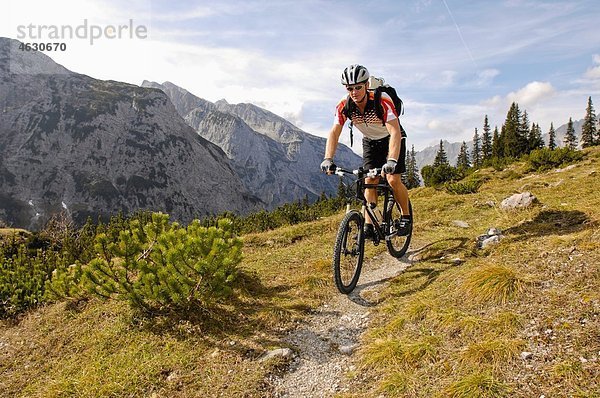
(477, 385)
(402, 351)
(495, 352)
(495, 283)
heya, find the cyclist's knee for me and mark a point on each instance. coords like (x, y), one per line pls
(393, 178)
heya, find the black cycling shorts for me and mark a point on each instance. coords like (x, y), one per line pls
(375, 154)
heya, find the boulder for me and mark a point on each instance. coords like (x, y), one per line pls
(518, 201)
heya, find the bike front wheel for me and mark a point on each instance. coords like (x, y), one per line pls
(397, 245)
(348, 252)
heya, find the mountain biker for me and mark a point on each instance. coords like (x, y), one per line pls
(383, 141)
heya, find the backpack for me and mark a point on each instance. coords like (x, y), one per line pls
(378, 86)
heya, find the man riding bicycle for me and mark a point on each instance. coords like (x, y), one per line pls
(383, 140)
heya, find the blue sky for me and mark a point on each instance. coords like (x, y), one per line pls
(451, 61)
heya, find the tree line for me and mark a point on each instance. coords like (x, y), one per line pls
(517, 137)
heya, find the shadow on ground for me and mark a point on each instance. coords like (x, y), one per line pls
(440, 252)
(552, 222)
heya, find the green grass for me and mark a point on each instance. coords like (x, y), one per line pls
(528, 293)
(441, 330)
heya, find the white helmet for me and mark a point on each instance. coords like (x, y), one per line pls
(355, 74)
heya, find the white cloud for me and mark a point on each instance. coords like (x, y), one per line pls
(486, 76)
(532, 93)
(593, 73)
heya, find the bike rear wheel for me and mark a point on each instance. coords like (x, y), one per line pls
(348, 252)
(397, 245)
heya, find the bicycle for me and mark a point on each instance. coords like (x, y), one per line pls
(348, 253)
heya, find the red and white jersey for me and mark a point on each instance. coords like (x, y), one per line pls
(368, 123)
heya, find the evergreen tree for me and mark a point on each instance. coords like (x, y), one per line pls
(497, 146)
(412, 173)
(570, 137)
(535, 138)
(441, 158)
(588, 130)
(463, 162)
(524, 134)
(511, 133)
(552, 137)
(486, 140)
(476, 150)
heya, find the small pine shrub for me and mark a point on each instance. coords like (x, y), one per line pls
(463, 187)
(546, 159)
(157, 266)
(23, 277)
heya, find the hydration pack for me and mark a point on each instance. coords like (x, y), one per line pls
(378, 86)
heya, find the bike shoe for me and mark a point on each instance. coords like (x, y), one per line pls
(369, 232)
(403, 226)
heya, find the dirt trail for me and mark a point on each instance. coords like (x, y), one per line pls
(325, 343)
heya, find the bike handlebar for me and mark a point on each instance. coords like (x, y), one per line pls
(365, 173)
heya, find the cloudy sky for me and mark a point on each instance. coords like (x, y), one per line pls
(452, 61)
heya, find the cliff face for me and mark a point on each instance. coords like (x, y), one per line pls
(94, 148)
(275, 160)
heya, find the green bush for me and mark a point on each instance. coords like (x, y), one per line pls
(545, 158)
(23, 277)
(437, 176)
(156, 266)
(463, 187)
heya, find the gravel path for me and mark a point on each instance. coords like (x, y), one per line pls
(324, 345)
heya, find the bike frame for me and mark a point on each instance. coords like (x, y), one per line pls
(379, 225)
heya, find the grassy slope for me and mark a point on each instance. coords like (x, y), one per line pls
(459, 331)
(444, 330)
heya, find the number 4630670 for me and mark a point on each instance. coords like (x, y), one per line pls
(43, 46)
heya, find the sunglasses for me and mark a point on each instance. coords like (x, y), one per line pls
(355, 88)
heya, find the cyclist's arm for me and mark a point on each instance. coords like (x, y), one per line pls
(332, 140)
(393, 128)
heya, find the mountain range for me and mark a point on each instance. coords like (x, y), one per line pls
(94, 148)
(275, 159)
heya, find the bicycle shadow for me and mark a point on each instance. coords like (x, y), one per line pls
(437, 252)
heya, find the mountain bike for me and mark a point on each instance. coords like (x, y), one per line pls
(348, 252)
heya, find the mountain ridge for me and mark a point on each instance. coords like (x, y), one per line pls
(275, 159)
(72, 143)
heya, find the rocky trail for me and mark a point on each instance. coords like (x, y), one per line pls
(324, 345)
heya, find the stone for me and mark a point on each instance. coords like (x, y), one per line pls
(518, 201)
(492, 240)
(284, 353)
(460, 224)
(493, 231)
(525, 355)
(347, 349)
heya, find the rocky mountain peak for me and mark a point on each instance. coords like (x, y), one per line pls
(94, 148)
(14, 60)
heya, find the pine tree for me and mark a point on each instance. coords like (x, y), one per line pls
(497, 145)
(511, 133)
(463, 162)
(412, 173)
(524, 133)
(588, 130)
(570, 137)
(441, 158)
(552, 137)
(476, 150)
(486, 140)
(535, 138)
